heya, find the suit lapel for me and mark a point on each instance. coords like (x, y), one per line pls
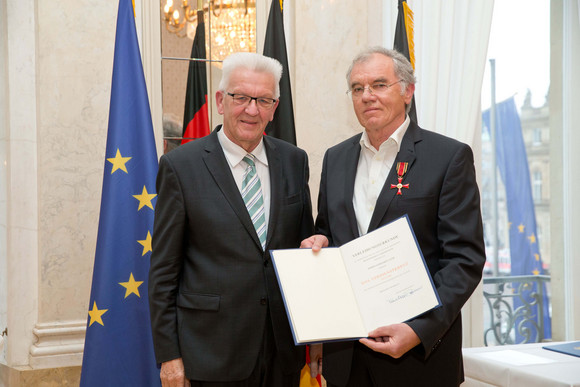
(218, 166)
(350, 167)
(406, 155)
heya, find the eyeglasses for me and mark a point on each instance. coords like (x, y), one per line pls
(378, 88)
(261, 102)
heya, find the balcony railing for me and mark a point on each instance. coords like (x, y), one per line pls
(515, 309)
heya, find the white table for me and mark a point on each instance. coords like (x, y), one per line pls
(527, 365)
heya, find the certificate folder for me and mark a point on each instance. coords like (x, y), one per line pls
(572, 348)
(343, 293)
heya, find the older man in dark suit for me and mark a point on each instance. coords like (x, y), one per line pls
(217, 314)
(391, 169)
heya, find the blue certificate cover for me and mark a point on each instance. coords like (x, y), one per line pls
(572, 348)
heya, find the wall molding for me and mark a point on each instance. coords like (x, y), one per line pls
(58, 344)
(150, 24)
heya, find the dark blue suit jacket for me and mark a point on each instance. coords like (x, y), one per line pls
(443, 205)
(210, 283)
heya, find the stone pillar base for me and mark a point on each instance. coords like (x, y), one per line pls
(25, 377)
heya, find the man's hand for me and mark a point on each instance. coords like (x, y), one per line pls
(173, 374)
(315, 242)
(315, 360)
(393, 340)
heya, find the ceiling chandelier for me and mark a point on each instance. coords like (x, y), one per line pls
(230, 25)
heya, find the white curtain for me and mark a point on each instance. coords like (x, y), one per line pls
(451, 39)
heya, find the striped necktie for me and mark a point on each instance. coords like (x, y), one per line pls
(252, 195)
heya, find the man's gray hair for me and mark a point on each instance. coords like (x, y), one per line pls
(402, 67)
(253, 62)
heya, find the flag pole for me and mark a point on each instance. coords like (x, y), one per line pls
(492, 129)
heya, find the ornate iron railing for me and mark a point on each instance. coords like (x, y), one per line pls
(515, 309)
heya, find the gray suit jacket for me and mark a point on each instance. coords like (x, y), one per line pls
(442, 203)
(210, 283)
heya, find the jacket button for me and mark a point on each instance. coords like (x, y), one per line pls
(263, 301)
(266, 263)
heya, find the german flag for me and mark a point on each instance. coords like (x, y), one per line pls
(195, 114)
(404, 42)
(282, 126)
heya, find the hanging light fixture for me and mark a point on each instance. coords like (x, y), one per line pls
(230, 24)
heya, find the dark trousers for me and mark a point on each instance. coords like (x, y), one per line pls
(359, 372)
(372, 369)
(266, 373)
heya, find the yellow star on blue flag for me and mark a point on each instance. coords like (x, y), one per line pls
(119, 162)
(145, 199)
(96, 315)
(146, 243)
(131, 286)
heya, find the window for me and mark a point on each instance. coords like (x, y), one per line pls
(537, 186)
(537, 137)
(516, 211)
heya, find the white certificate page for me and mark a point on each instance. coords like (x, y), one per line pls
(319, 299)
(388, 275)
(344, 293)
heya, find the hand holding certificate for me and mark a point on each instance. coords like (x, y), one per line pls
(343, 293)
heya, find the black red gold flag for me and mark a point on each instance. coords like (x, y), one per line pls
(282, 126)
(404, 42)
(195, 114)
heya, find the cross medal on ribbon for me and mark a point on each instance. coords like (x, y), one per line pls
(401, 170)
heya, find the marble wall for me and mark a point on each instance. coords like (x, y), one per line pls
(74, 78)
(327, 36)
(55, 89)
(55, 80)
(18, 295)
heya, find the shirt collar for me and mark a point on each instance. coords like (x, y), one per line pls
(397, 136)
(235, 153)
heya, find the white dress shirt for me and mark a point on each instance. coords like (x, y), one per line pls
(235, 154)
(371, 174)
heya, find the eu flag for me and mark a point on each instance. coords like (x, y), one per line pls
(512, 162)
(118, 345)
